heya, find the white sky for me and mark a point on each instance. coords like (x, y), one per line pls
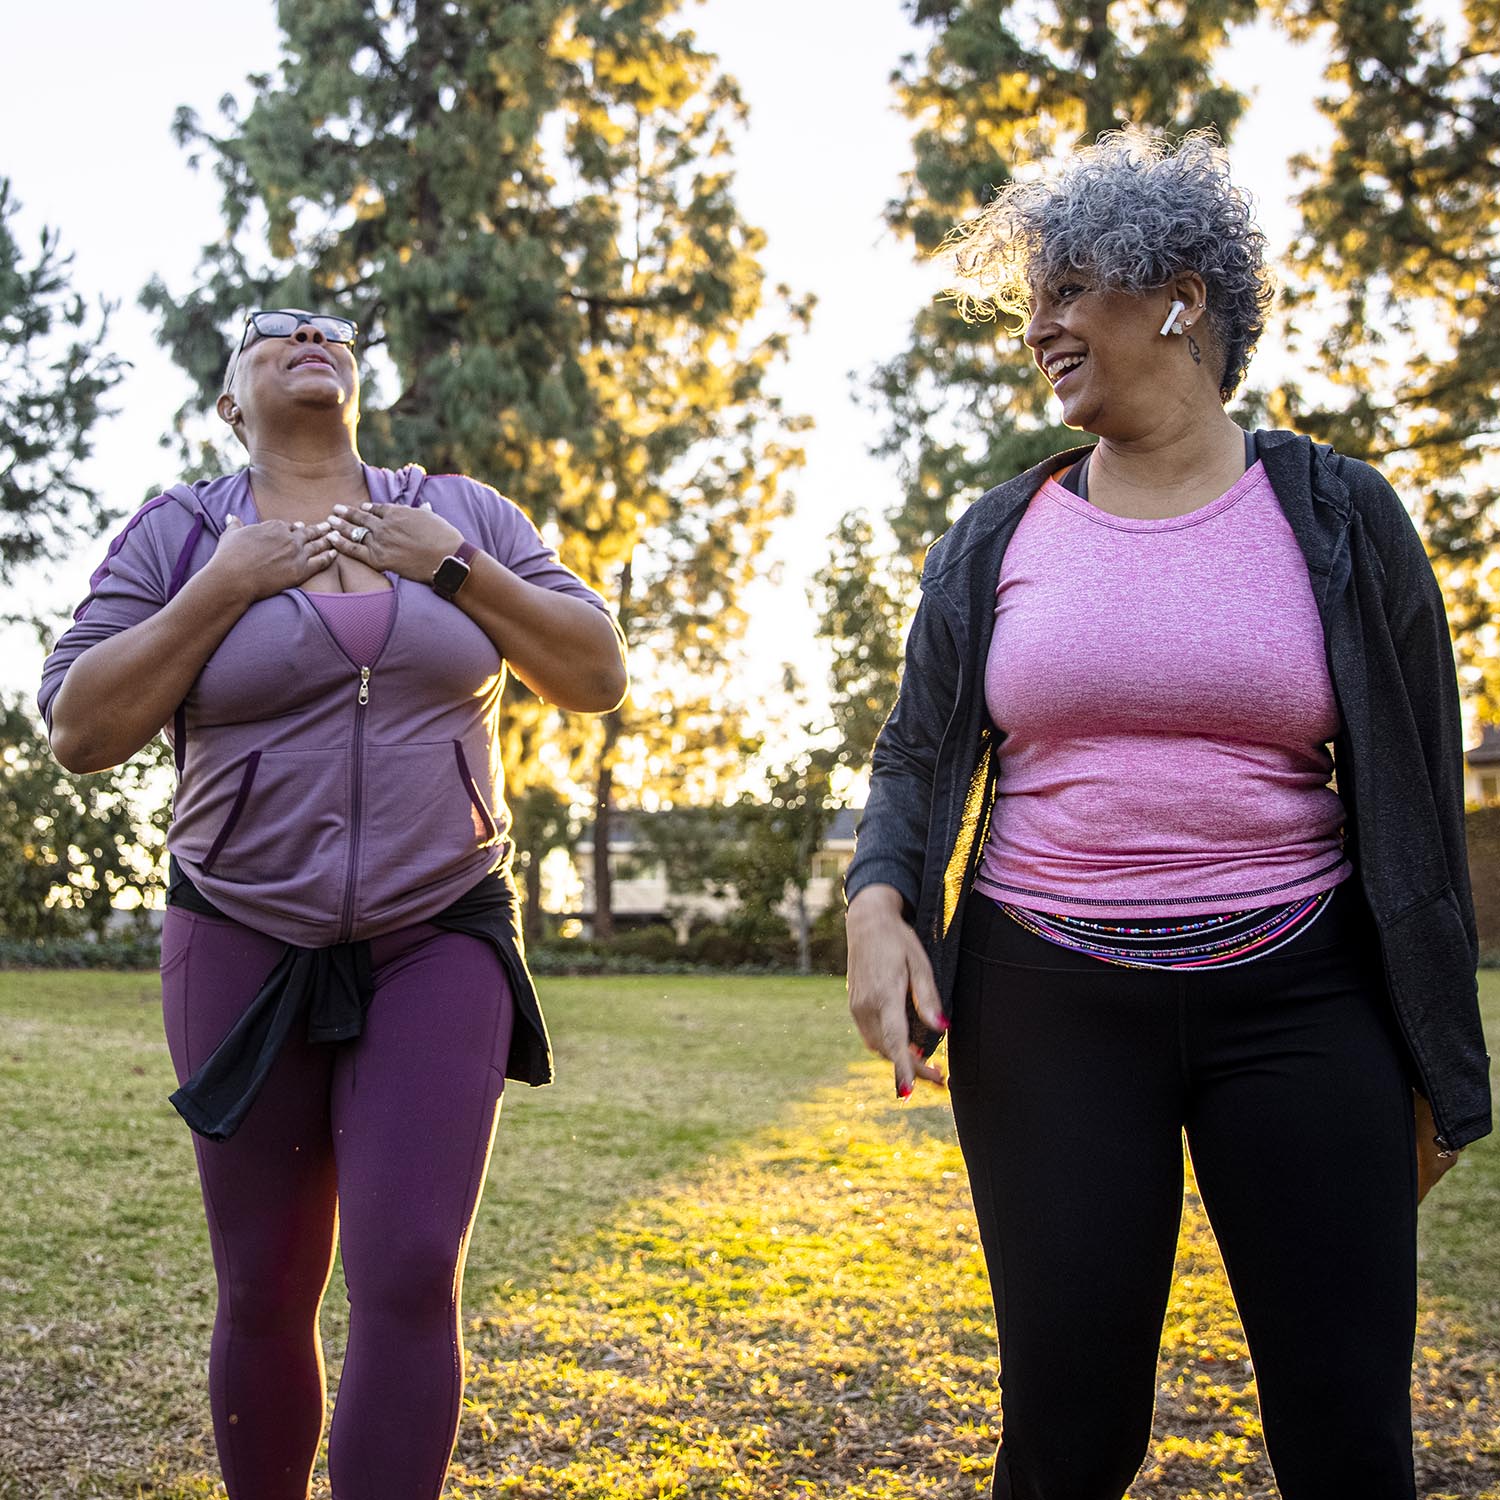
(86, 143)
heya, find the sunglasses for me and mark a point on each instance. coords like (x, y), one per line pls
(280, 323)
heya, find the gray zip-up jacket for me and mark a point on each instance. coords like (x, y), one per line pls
(1398, 756)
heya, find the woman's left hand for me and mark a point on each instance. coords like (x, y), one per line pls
(1430, 1163)
(408, 540)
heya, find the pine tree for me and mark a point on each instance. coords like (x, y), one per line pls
(527, 205)
(1395, 276)
(997, 87)
(55, 375)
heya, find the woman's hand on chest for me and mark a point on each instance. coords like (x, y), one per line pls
(407, 540)
(261, 560)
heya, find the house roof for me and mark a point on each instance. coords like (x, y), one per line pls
(843, 823)
(626, 828)
(1487, 751)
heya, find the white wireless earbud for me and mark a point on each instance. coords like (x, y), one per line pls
(1178, 308)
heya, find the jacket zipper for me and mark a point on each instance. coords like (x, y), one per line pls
(356, 798)
(346, 919)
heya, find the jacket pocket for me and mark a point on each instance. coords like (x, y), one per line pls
(285, 841)
(424, 822)
(484, 819)
(236, 808)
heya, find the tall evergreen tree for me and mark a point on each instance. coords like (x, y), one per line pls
(998, 86)
(55, 376)
(528, 207)
(1398, 271)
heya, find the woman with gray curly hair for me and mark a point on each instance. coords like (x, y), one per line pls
(1104, 852)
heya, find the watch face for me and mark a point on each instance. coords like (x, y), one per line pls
(450, 577)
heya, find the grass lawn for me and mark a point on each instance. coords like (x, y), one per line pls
(716, 1259)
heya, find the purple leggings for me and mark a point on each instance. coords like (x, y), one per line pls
(383, 1141)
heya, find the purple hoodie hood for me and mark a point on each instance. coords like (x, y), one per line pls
(319, 801)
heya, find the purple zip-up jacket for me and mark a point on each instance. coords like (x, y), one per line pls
(317, 801)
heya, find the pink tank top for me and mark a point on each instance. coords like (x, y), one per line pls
(1164, 694)
(358, 622)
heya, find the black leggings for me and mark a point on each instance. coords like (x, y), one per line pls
(1073, 1082)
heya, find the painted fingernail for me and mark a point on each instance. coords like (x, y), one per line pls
(903, 1091)
(942, 1024)
(339, 510)
(368, 505)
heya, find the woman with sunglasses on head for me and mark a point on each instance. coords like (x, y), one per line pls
(1102, 851)
(342, 973)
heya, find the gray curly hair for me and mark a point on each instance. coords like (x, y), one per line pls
(1129, 213)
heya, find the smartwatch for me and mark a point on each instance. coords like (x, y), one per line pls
(453, 572)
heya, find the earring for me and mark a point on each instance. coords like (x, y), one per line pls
(1174, 319)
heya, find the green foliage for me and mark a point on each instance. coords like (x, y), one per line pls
(755, 852)
(54, 378)
(69, 844)
(655, 941)
(753, 937)
(864, 621)
(693, 847)
(830, 942)
(528, 207)
(778, 834)
(542, 822)
(997, 87)
(142, 950)
(1400, 242)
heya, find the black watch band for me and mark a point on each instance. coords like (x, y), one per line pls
(453, 572)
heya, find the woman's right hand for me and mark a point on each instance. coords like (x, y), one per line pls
(886, 964)
(260, 560)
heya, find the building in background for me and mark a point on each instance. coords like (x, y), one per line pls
(643, 897)
(1482, 769)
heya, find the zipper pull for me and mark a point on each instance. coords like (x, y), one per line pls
(364, 686)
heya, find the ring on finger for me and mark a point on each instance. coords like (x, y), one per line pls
(359, 533)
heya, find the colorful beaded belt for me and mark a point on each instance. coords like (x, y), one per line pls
(1216, 941)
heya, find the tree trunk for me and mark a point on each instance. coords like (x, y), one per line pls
(804, 933)
(531, 912)
(604, 915)
(604, 908)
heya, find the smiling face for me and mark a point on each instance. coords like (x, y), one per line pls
(276, 381)
(1105, 357)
